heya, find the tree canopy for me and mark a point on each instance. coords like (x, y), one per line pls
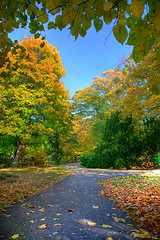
(34, 103)
(136, 22)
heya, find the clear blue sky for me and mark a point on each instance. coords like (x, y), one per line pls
(84, 58)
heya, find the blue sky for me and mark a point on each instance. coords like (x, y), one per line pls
(84, 58)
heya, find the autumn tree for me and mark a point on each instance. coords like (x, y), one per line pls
(135, 21)
(95, 101)
(34, 102)
(142, 98)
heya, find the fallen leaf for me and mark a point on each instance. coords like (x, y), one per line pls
(42, 226)
(15, 236)
(46, 201)
(43, 219)
(95, 207)
(106, 226)
(140, 235)
(32, 206)
(42, 210)
(55, 219)
(119, 219)
(109, 238)
(50, 205)
(57, 224)
(31, 221)
(58, 214)
(70, 210)
(141, 219)
(31, 211)
(91, 223)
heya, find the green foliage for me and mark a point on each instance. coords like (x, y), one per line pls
(151, 135)
(120, 146)
(130, 18)
(55, 149)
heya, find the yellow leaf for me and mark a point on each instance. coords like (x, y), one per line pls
(156, 19)
(15, 236)
(137, 8)
(43, 219)
(106, 226)
(31, 211)
(42, 226)
(91, 223)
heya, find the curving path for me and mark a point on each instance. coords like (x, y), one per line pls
(68, 210)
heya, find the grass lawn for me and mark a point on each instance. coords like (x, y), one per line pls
(16, 184)
(139, 195)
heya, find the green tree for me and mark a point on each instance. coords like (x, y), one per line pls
(120, 147)
(137, 21)
(34, 103)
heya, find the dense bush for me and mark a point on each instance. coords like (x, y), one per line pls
(122, 146)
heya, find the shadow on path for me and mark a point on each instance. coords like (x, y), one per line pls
(69, 210)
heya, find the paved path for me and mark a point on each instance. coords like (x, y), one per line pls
(66, 209)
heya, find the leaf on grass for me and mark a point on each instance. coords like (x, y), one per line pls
(42, 226)
(43, 219)
(91, 223)
(50, 205)
(31, 221)
(142, 219)
(15, 236)
(140, 234)
(109, 238)
(106, 226)
(55, 219)
(58, 214)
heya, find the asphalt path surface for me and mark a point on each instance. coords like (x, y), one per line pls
(68, 211)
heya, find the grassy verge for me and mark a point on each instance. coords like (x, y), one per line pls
(140, 196)
(18, 184)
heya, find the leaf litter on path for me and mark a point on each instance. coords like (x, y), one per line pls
(139, 195)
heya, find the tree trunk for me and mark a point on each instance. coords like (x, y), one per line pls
(18, 155)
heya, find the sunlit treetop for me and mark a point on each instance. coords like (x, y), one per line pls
(135, 22)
